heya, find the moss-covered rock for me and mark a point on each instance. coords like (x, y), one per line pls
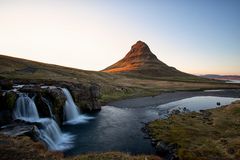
(10, 100)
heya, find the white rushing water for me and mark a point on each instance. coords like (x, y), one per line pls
(71, 113)
(50, 133)
(25, 109)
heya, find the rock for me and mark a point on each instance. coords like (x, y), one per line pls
(10, 100)
(218, 103)
(167, 150)
(161, 148)
(7, 103)
(6, 84)
(86, 98)
(57, 97)
(95, 91)
(19, 129)
(42, 107)
(5, 117)
(175, 112)
(31, 89)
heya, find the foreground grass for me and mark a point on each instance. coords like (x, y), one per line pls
(212, 134)
(23, 148)
(113, 156)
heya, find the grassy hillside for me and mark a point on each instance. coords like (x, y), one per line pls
(113, 86)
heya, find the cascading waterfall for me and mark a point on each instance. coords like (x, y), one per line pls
(50, 133)
(71, 113)
(25, 109)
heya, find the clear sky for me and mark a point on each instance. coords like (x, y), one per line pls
(195, 36)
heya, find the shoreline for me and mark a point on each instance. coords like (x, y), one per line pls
(166, 97)
(174, 137)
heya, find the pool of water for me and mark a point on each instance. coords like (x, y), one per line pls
(119, 128)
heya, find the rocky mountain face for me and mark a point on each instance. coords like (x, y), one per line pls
(140, 60)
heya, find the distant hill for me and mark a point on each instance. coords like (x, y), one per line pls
(141, 61)
(221, 77)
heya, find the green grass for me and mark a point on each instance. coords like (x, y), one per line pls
(202, 136)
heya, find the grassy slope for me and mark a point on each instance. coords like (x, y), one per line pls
(113, 86)
(212, 135)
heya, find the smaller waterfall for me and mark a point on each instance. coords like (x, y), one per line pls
(71, 113)
(50, 133)
(25, 109)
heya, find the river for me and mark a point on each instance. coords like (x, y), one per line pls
(118, 126)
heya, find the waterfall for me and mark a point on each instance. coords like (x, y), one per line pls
(25, 109)
(71, 113)
(49, 106)
(50, 133)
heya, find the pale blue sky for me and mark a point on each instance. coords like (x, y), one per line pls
(195, 36)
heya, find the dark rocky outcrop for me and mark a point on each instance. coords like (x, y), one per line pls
(86, 97)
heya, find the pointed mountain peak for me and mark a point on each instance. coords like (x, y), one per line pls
(140, 44)
(139, 48)
(140, 60)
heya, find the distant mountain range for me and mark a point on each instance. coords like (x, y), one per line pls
(142, 62)
(221, 77)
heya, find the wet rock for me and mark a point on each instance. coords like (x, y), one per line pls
(31, 89)
(57, 97)
(42, 107)
(19, 129)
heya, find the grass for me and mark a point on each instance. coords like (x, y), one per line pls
(214, 134)
(12, 148)
(113, 86)
(114, 156)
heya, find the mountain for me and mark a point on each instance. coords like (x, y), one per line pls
(141, 61)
